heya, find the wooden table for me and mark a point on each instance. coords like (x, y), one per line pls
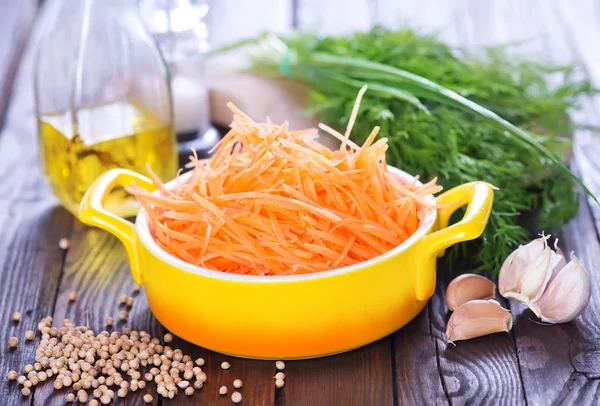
(533, 364)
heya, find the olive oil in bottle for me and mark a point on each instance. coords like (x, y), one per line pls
(76, 150)
(102, 100)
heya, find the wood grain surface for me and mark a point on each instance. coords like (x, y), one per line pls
(417, 373)
(16, 20)
(535, 364)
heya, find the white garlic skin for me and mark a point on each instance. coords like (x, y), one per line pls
(478, 318)
(467, 287)
(566, 296)
(526, 272)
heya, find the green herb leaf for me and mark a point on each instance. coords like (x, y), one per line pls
(493, 116)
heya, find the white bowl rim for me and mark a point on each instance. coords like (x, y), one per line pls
(143, 231)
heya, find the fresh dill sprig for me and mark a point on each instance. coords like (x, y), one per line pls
(432, 134)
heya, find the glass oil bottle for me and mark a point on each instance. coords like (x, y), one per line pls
(102, 100)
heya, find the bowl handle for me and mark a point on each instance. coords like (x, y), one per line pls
(92, 212)
(479, 196)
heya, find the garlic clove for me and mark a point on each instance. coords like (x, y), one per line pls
(525, 273)
(536, 278)
(467, 287)
(566, 296)
(478, 318)
(561, 264)
(519, 259)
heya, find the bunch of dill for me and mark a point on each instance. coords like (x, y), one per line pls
(430, 137)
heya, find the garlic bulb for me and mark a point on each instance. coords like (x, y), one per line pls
(566, 296)
(555, 291)
(526, 271)
(478, 318)
(468, 287)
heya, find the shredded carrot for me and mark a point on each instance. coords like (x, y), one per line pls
(276, 202)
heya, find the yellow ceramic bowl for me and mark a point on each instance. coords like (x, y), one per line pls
(297, 316)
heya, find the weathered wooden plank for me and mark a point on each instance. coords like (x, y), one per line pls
(30, 271)
(335, 17)
(359, 377)
(362, 376)
(413, 344)
(30, 259)
(584, 344)
(485, 369)
(258, 386)
(16, 18)
(96, 268)
(560, 364)
(233, 20)
(545, 352)
(580, 390)
(500, 22)
(417, 375)
(478, 371)
(427, 16)
(574, 34)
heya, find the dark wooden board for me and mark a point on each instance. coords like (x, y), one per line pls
(545, 353)
(96, 269)
(573, 34)
(417, 374)
(258, 386)
(16, 19)
(475, 371)
(561, 363)
(535, 364)
(30, 271)
(584, 332)
(359, 377)
(31, 261)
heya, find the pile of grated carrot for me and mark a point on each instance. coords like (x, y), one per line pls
(271, 201)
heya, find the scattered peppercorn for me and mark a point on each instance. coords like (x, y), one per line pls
(16, 316)
(82, 396)
(110, 321)
(64, 243)
(225, 365)
(223, 390)
(279, 383)
(13, 342)
(72, 296)
(85, 362)
(123, 315)
(29, 335)
(280, 365)
(168, 338)
(237, 383)
(236, 397)
(148, 398)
